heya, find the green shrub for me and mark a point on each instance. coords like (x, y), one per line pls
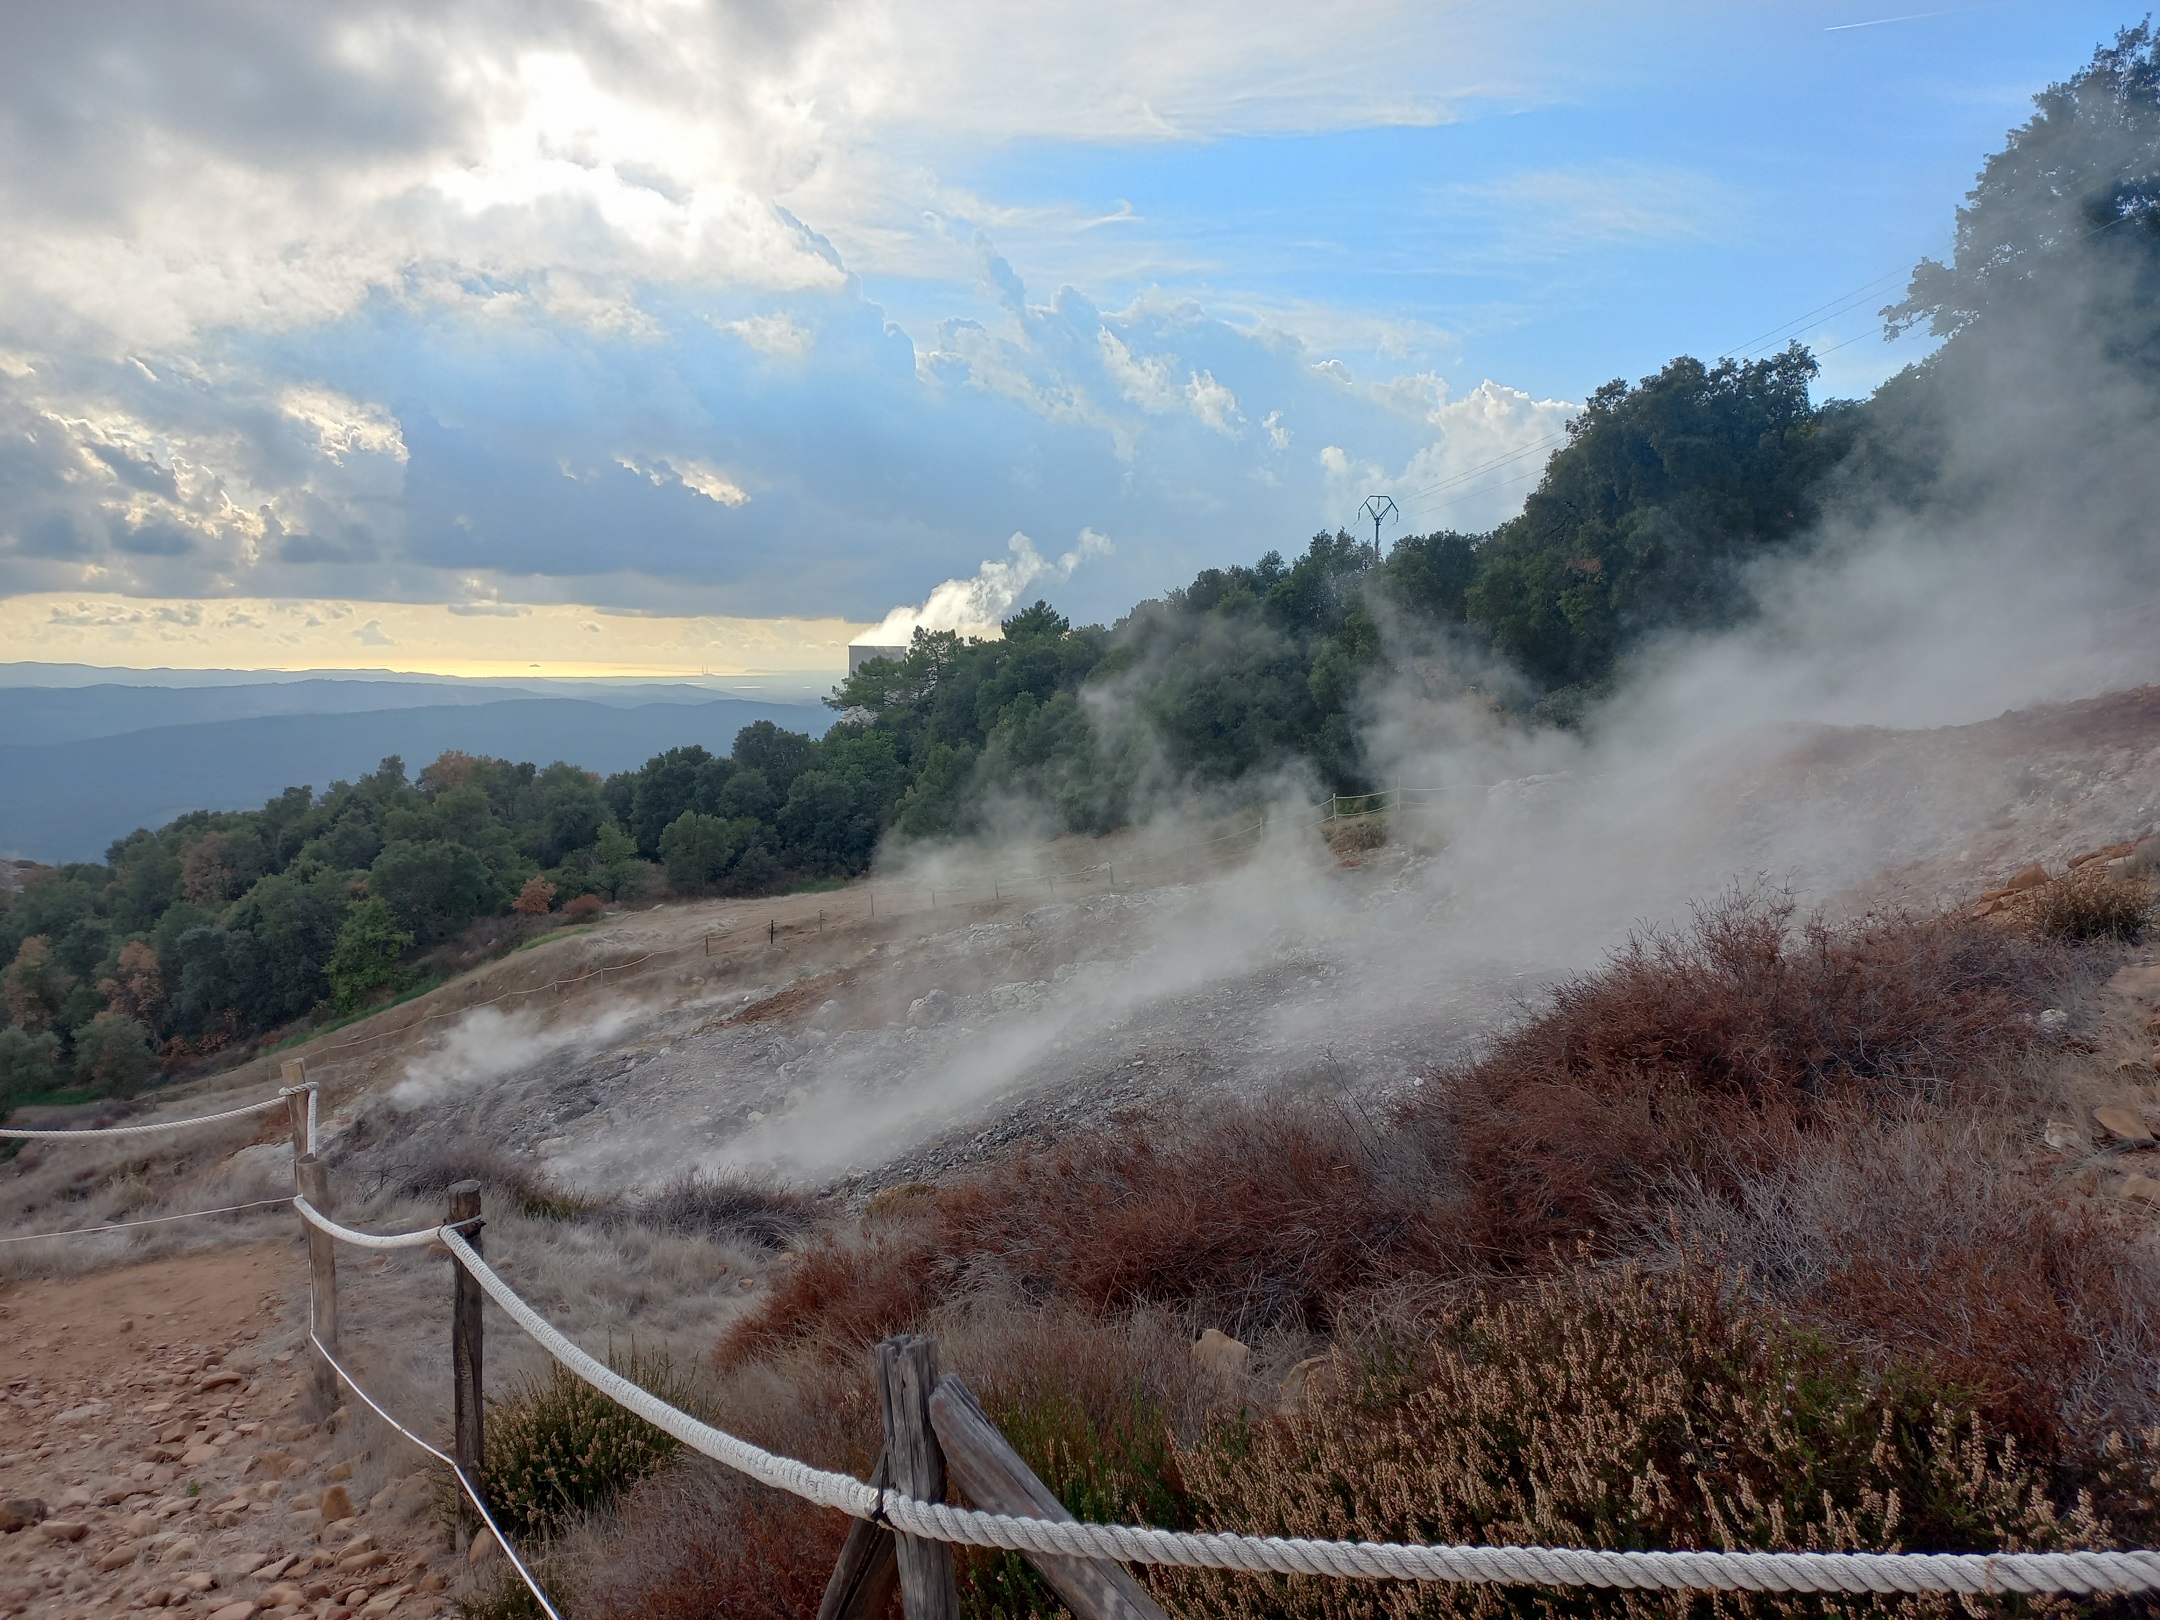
(112, 1054)
(29, 1064)
(1618, 1410)
(557, 1447)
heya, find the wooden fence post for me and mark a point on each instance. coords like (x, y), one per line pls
(907, 1373)
(312, 1177)
(993, 1477)
(863, 1580)
(295, 1072)
(469, 1443)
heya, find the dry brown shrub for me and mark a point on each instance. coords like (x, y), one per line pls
(703, 1543)
(840, 1297)
(1252, 1220)
(585, 906)
(1730, 1033)
(1622, 1410)
(1928, 1238)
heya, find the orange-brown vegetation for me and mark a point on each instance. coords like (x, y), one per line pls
(1744, 1239)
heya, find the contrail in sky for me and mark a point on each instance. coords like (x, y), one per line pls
(1916, 16)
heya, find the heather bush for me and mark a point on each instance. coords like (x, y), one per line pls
(1624, 1410)
(557, 1447)
(2090, 905)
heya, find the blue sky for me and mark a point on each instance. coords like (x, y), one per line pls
(796, 311)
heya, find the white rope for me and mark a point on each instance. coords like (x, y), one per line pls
(1967, 1573)
(152, 1220)
(366, 1240)
(457, 1473)
(262, 1107)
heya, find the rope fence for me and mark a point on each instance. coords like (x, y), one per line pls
(1969, 1574)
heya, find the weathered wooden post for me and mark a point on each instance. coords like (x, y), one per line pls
(993, 1477)
(296, 1101)
(863, 1580)
(907, 1373)
(469, 1437)
(312, 1178)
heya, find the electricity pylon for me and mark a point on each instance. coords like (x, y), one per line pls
(1378, 508)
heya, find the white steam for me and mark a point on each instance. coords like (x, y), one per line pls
(974, 607)
(488, 1044)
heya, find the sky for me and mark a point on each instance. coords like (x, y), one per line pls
(672, 337)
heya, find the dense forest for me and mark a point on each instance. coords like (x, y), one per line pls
(225, 928)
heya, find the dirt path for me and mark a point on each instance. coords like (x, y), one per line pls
(162, 1440)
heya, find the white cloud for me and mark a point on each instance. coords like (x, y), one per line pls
(974, 606)
(343, 426)
(702, 478)
(1212, 402)
(776, 334)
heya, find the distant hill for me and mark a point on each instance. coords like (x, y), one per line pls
(68, 800)
(51, 714)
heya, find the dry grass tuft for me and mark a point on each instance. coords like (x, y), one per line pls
(695, 1205)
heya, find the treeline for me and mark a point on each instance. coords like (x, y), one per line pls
(225, 925)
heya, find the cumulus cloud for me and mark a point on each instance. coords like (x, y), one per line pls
(974, 606)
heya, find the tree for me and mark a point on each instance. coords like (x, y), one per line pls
(2078, 182)
(1645, 520)
(433, 888)
(535, 898)
(29, 1064)
(615, 864)
(366, 959)
(113, 1054)
(137, 987)
(35, 987)
(700, 849)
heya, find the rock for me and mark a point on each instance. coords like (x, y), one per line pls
(272, 1570)
(63, 1529)
(2141, 1189)
(277, 1463)
(341, 1470)
(196, 1581)
(1296, 1393)
(2113, 852)
(180, 1548)
(336, 1504)
(117, 1558)
(1222, 1355)
(75, 1496)
(935, 1007)
(2066, 1137)
(358, 1544)
(234, 1611)
(2032, 877)
(484, 1548)
(196, 1456)
(286, 1594)
(384, 1601)
(20, 1513)
(435, 1582)
(2123, 1120)
(360, 1562)
(219, 1378)
(2054, 1022)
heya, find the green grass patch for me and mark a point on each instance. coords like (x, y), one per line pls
(434, 981)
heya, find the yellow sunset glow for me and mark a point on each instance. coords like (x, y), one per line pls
(470, 639)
